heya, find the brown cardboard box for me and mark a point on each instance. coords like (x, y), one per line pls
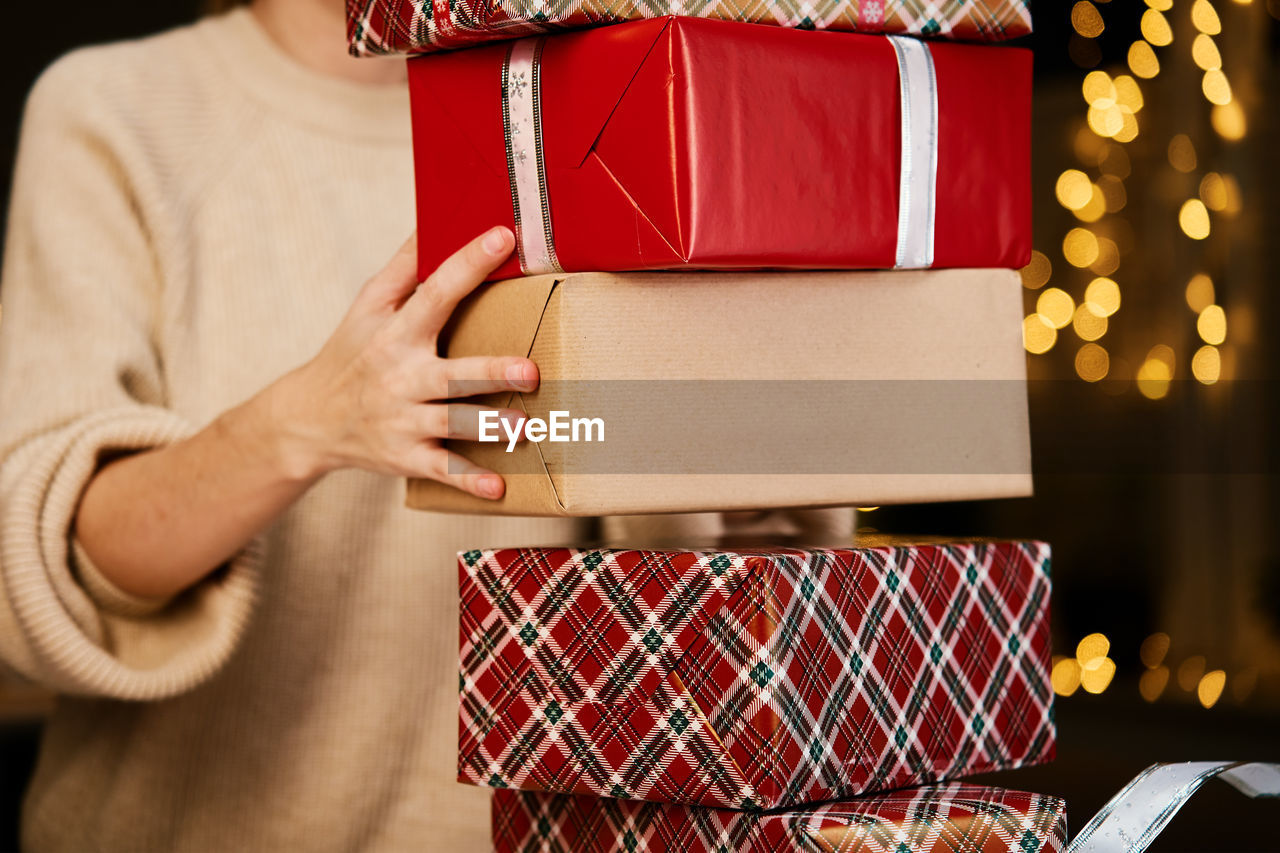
(724, 391)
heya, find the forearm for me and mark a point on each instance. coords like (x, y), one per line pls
(157, 522)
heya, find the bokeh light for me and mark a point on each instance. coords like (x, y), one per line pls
(1206, 365)
(1193, 218)
(1103, 295)
(1056, 306)
(1038, 334)
(1209, 690)
(1211, 325)
(1199, 293)
(1153, 649)
(1092, 363)
(1142, 60)
(1036, 273)
(1080, 247)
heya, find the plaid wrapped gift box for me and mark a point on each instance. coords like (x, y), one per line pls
(377, 27)
(752, 678)
(942, 819)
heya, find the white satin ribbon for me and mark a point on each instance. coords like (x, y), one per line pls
(918, 177)
(522, 117)
(1135, 816)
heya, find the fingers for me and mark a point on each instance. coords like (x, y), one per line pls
(429, 307)
(469, 422)
(395, 282)
(467, 377)
(449, 468)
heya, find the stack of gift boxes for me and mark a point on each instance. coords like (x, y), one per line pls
(758, 699)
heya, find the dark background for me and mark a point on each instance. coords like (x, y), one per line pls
(1161, 512)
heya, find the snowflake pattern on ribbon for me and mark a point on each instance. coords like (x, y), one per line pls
(752, 679)
(378, 27)
(938, 819)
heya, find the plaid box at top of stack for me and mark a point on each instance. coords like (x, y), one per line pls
(690, 143)
(377, 27)
(746, 679)
(932, 819)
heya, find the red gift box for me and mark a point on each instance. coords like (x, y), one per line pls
(940, 819)
(753, 678)
(683, 142)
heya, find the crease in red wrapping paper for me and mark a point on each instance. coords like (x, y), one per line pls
(713, 144)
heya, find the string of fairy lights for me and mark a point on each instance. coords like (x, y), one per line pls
(1093, 190)
(1094, 193)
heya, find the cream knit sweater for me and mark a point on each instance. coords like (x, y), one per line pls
(192, 215)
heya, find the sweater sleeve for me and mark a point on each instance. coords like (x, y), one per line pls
(81, 381)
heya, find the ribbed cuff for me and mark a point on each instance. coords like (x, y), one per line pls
(82, 635)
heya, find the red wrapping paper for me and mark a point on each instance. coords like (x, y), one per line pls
(941, 819)
(744, 679)
(681, 142)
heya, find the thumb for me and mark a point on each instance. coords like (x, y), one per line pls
(395, 282)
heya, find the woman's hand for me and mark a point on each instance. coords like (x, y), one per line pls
(376, 396)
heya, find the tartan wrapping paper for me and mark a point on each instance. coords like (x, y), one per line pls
(752, 679)
(377, 27)
(942, 819)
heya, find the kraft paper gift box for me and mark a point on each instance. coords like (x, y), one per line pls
(684, 142)
(727, 391)
(420, 26)
(757, 678)
(934, 819)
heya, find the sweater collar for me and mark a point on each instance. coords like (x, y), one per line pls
(290, 89)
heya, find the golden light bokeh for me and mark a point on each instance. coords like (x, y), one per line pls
(1038, 334)
(1213, 191)
(1128, 94)
(1108, 260)
(1080, 247)
(1093, 209)
(1205, 53)
(1056, 306)
(1182, 154)
(1199, 293)
(1153, 649)
(1065, 676)
(1211, 325)
(1233, 193)
(1142, 60)
(1153, 378)
(1128, 125)
(1089, 323)
(1036, 273)
(1228, 121)
(1164, 354)
(1073, 189)
(1153, 682)
(1097, 86)
(1162, 5)
(1205, 18)
(1190, 671)
(1206, 365)
(1092, 363)
(1209, 690)
(1086, 20)
(1097, 679)
(1193, 218)
(1113, 194)
(1155, 29)
(1092, 648)
(1105, 120)
(1215, 87)
(1103, 294)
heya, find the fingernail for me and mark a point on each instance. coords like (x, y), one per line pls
(521, 376)
(490, 486)
(495, 242)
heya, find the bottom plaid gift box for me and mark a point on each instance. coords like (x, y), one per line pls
(952, 818)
